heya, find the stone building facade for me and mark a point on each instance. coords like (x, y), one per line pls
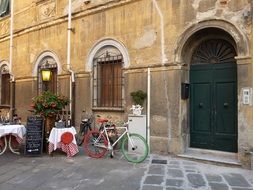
(200, 46)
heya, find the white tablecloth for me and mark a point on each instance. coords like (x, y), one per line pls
(17, 130)
(56, 133)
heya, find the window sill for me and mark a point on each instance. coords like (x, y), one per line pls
(5, 106)
(5, 17)
(40, 1)
(108, 109)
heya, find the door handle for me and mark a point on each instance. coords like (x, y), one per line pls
(225, 104)
(201, 105)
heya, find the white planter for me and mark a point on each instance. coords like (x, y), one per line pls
(136, 109)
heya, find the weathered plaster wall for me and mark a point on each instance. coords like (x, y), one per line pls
(25, 90)
(237, 13)
(41, 25)
(83, 95)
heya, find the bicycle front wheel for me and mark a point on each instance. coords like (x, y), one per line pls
(95, 144)
(134, 148)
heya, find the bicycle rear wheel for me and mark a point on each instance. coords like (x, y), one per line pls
(95, 144)
(136, 152)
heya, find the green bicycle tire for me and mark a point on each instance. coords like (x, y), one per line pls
(133, 155)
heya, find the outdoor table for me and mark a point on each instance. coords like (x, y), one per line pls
(17, 131)
(55, 141)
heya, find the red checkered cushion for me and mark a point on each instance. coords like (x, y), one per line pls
(67, 138)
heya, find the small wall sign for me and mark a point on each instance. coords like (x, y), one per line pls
(247, 96)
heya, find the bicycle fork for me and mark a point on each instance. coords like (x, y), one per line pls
(109, 146)
(134, 147)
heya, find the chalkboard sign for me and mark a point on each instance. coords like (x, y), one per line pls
(34, 136)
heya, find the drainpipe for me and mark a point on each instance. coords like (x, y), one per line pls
(72, 74)
(148, 109)
(12, 109)
(164, 58)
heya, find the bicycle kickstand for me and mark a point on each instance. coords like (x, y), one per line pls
(112, 154)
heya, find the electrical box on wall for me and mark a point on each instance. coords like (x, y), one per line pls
(247, 96)
(138, 124)
(185, 87)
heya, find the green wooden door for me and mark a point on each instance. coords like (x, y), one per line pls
(213, 106)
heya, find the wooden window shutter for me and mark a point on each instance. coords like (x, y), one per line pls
(5, 91)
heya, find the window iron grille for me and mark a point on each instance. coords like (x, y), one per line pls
(5, 85)
(108, 81)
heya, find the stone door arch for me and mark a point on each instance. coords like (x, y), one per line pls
(190, 37)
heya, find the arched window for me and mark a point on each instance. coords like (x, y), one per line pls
(108, 78)
(214, 51)
(47, 63)
(5, 84)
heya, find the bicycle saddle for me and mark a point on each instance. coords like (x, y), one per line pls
(102, 120)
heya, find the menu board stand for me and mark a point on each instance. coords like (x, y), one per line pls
(34, 136)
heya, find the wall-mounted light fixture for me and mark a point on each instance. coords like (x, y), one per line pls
(46, 75)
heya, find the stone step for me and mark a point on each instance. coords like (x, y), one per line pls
(212, 156)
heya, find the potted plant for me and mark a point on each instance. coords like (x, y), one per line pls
(138, 98)
(48, 105)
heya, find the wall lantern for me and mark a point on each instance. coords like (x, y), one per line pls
(46, 75)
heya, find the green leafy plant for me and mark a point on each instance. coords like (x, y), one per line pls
(138, 97)
(48, 104)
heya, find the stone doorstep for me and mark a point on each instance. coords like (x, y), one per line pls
(210, 156)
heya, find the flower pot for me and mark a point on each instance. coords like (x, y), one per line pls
(49, 124)
(136, 109)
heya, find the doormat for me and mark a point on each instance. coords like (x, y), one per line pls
(156, 161)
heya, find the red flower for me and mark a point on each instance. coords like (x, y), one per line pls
(48, 103)
(53, 104)
(45, 105)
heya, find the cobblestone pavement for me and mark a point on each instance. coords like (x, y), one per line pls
(166, 173)
(84, 173)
